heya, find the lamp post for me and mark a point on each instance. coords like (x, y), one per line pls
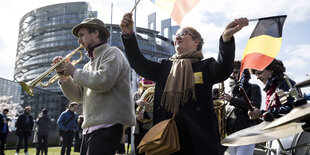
(111, 33)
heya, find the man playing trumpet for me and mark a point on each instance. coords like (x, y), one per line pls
(103, 85)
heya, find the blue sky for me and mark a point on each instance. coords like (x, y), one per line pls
(209, 17)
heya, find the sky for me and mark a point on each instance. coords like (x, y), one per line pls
(209, 17)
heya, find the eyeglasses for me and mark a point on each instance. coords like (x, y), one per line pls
(183, 33)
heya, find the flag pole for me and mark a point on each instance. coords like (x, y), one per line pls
(135, 6)
(255, 19)
(134, 83)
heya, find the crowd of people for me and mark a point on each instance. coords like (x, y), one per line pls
(183, 86)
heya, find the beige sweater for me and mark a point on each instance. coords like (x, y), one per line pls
(103, 86)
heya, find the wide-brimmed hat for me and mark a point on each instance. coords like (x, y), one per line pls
(93, 23)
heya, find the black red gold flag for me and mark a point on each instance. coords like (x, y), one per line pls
(264, 43)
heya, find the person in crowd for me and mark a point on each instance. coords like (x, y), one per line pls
(103, 86)
(184, 83)
(4, 129)
(43, 123)
(240, 119)
(144, 119)
(24, 125)
(273, 79)
(68, 125)
(78, 135)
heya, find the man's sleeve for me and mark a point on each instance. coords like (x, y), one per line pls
(72, 90)
(60, 122)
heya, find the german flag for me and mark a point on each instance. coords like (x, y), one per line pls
(264, 43)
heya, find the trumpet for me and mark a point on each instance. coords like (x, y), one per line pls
(28, 87)
(220, 110)
(148, 96)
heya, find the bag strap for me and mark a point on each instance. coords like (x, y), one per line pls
(69, 119)
(173, 115)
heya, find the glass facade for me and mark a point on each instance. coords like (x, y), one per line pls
(11, 93)
(45, 33)
(13, 98)
(150, 42)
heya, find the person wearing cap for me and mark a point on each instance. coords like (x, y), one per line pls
(273, 79)
(103, 86)
(238, 118)
(184, 83)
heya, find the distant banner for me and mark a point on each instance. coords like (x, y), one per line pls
(176, 9)
(264, 43)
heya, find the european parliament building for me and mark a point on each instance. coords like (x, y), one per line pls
(46, 32)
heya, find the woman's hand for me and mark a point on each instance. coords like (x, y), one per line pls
(234, 27)
(126, 24)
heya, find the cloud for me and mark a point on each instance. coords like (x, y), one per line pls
(259, 8)
(296, 60)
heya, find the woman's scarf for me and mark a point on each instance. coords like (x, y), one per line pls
(180, 85)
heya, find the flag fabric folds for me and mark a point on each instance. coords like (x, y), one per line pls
(264, 43)
(176, 9)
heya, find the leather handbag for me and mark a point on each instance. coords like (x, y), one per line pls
(161, 139)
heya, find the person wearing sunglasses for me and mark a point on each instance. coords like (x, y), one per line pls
(184, 83)
(273, 79)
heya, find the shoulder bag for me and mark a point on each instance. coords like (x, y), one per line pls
(62, 132)
(163, 138)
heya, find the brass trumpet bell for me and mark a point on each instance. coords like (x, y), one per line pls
(26, 88)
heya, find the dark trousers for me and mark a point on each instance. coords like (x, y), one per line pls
(67, 140)
(121, 148)
(2, 143)
(22, 137)
(77, 142)
(102, 141)
(138, 138)
(42, 144)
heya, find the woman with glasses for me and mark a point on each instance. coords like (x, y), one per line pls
(273, 78)
(184, 83)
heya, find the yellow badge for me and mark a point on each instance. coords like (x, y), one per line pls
(198, 78)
